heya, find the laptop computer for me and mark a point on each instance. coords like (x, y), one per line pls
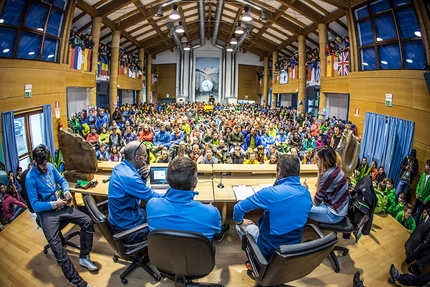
(157, 179)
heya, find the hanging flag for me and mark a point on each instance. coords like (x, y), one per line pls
(276, 76)
(76, 58)
(329, 66)
(318, 72)
(121, 68)
(105, 69)
(72, 58)
(87, 60)
(311, 72)
(293, 71)
(99, 68)
(343, 64)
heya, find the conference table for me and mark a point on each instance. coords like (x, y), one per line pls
(216, 181)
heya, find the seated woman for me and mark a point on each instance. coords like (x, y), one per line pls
(114, 154)
(12, 206)
(330, 203)
(405, 218)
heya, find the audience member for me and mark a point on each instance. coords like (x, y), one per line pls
(405, 218)
(12, 206)
(422, 193)
(409, 167)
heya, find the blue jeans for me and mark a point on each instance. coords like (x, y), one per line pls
(321, 213)
(250, 229)
(17, 210)
(402, 187)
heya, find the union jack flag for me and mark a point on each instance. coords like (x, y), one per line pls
(343, 64)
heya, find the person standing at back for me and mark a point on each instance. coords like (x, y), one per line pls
(409, 167)
(286, 208)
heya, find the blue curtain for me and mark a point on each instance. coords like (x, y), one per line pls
(48, 131)
(372, 144)
(398, 144)
(9, 141)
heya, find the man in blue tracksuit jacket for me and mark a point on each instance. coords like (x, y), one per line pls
(286, 207)
(127, 188)
(178, 210)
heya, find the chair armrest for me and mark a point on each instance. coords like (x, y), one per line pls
(315, 229)
(125, 233)
(255, 257)
(102, 203)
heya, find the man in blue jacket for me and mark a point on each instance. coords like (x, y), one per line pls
(127, 188)
(161, 139)
(286, 208)
(51, 205)
(178, 210)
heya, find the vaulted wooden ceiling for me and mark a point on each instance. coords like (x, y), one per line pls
(286, 19)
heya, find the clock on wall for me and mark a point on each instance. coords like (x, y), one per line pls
(206, 85)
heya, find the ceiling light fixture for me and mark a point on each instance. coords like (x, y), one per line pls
(174, 15)
(246, 16)
(239, 30)
(184, 38)
(159, 11)
(187, 47)
(229, 48)
(263, 15)
(233, 40)
(180, 28)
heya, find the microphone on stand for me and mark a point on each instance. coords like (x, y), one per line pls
(220, 185)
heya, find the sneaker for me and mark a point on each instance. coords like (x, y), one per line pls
(220, 236)
(394, 274)
(88, 285)
(86, 262)
(357, 281)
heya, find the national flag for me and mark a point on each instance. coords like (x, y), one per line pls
(318, 72)
(99, 68)
(76, 58)
(121, 67)
(87, 60)
(139, 73)
(105, 69)
(329, 66)
(132, 72)
(72, 57)
(343, 64)
(293, 71)
(311, 72)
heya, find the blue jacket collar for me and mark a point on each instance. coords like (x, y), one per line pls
(178, 195)
(288, 180)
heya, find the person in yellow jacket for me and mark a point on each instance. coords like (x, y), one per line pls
(251, 160)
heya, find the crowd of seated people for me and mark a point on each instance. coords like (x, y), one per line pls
(234, 134)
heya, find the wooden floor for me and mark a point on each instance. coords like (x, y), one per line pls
(22, 262)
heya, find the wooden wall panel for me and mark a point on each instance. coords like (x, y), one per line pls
(166, 81)
(128, 83)
(411, 101)
(248, 83)
(49, 81)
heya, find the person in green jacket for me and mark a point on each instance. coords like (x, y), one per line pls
(74, 124)
(391, 194)
(399, 206)
(381, 197)
(422, 193)
(405, 218)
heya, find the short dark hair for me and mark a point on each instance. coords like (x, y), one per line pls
(41, 153)
(182, 173)
(288, 165)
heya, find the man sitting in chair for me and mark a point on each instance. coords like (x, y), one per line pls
(46, 199)
(178, 210)
(286, 208)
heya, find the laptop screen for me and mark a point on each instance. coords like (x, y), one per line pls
(158, 175)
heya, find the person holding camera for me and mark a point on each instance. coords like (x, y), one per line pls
(127, 188)
(52, 206)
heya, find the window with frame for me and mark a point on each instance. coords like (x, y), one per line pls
(32, 29)
(389, 36)
(29, 132)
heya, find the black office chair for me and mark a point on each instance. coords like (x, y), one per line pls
(289, 262)
(346, 228)
(66, 240)
(182, 256)
(136, 252)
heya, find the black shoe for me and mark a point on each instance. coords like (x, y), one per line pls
(220, 236)
(394, 274)
(357, 281)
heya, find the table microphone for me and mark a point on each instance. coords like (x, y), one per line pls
(220, 185)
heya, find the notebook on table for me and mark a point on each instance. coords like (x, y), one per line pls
(157, 179)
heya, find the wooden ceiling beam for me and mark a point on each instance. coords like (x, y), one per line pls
(112, 7)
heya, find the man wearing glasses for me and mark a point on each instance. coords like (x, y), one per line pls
(127, 188)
